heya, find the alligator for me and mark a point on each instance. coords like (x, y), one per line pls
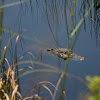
(65, 53)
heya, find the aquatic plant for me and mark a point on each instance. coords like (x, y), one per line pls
(93, 84)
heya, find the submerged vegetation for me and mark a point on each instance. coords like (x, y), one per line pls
(14, 67)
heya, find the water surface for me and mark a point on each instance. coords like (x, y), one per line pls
(48, 24)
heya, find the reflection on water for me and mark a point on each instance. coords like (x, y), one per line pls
(45, 24)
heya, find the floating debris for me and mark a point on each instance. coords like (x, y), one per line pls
(65, 53)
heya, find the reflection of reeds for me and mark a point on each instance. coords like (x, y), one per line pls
(94, 18)
(13, 4)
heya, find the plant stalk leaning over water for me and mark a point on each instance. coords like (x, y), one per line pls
(69, 44)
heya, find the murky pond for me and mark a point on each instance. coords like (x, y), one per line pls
(29, 27)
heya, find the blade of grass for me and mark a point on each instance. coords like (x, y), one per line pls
(6, 95)
(14, 93)
(13, 4)
(5, 49)
(58, 83)
(81, 21)
(79, 24)
(34, 39)
(39, 84)
(38, 63)
(39, 70)
(48, 90)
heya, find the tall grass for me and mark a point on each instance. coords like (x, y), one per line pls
(9, 85)
(69, 47)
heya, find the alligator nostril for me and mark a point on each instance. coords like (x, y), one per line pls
(48, 50)
(82, 58)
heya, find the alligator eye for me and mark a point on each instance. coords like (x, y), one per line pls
(65, 52)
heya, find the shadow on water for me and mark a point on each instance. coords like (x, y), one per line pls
(40, 25)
